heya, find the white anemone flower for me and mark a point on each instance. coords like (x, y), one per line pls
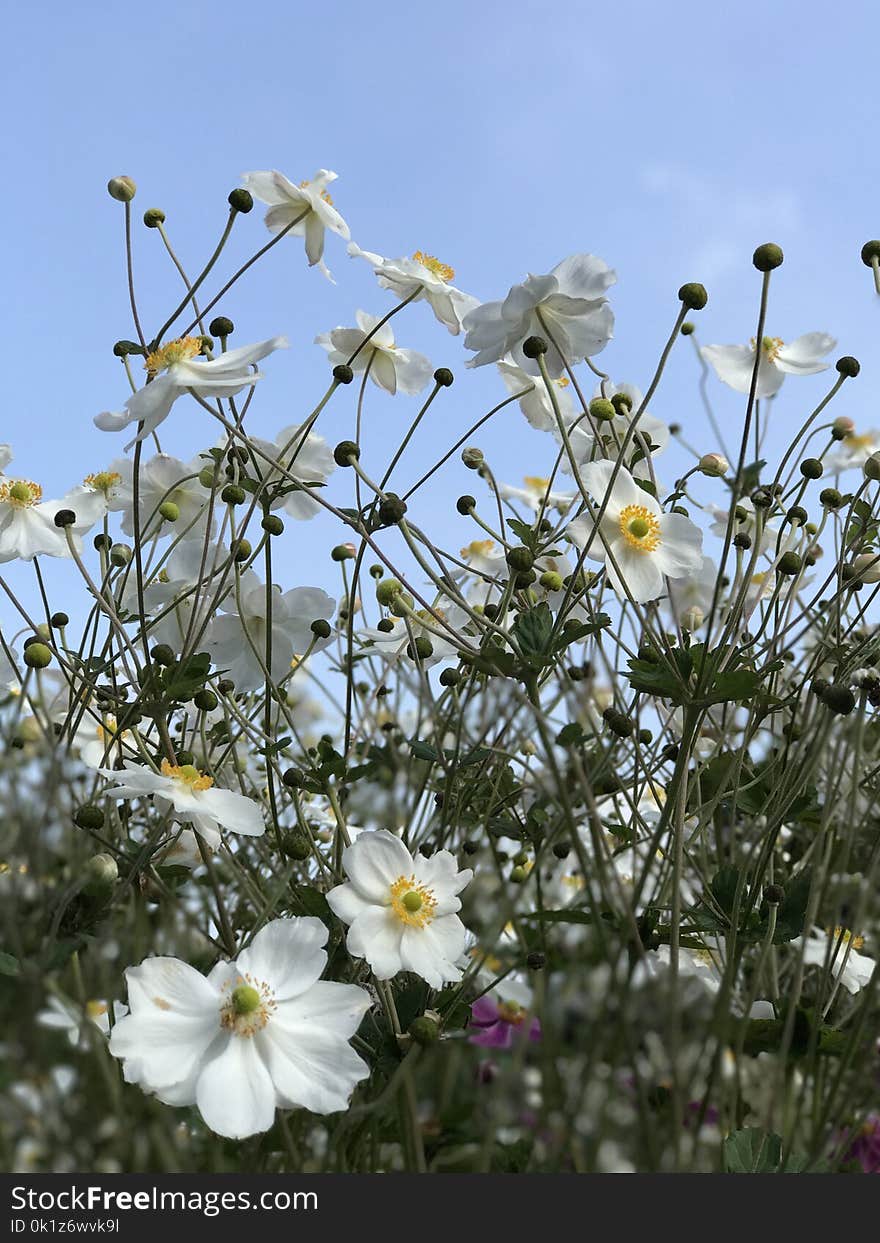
(535, 494)
(734, 364)
(421, 277)
(162, 478)
(27, 522)
(402, 908)
(841, 948)
(237, 640)
(191, 797)
(5, 456)
(390, 367)
(306, 457)
(645, 544)
(568, 304)
(853, 451)
(396, 634)
(536, 403)
(173, 369)
(310, 200)
(63, 1016)
(260, 1033)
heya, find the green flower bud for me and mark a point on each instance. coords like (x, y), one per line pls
(421, 649)
(101, 875)
(59, 620)
(534, 347)
(89, 816)
(207, 477)
(293, 779)
(767, 257)
(401, 604)
(830, 498)
(163, 655)
(122, 189)
(839, 699)
(715, 465)
(773, 894)
(343, 552)
(241, 550)
(424, 1030)
(232, 494)
(221, 327)
(272, 524)
(472, 458)
(343, 374)
(240, 200)
(519, 875)
(687, 328)
(693, 296)
(618, 723)
(153, 217)
(345, 453)
(120, 555)
(321, 628)
(387, 590)
(296, 846)
(789, 563)
(123, 348)
(870, 252)
(63, 518)
(205, 700)
(811, 468)
(872, 467)
(443, 377)
(466, 504)
(742, 540)
(169, 511)
(550, 580)
(602, 410)
(37, 655)
(848, 366)
(519, 559)
(450, 677)
(391, 510)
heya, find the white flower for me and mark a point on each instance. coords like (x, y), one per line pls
(191, 796)
(536, 404)
(402, 908)
(5, 456)
(309, 199)
(64, 1016)
(162, 478)
(391, 367)
(841, 949)
(398, 633)
(734, 364)
(27, 522)
(568, 304)
(175, 368)
(650, 438)
(291, 618)
(645, 543)
(255, 1034)
(535, 494)
(309, 459)
(425, 277)
(854, 451)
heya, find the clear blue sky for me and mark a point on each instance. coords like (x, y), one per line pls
(501, 137)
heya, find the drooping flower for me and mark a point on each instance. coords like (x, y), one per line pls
(27, 522)
(391, 367)
(568, 304)
(535, 494)
(260, 1033)
(853, 451)
(421, 277)
(174, 368)
(310, 199)
(191, 796)
(237, 639)
(63, 1016)
(841, 948)
(402, 908)
(734, 364)
(639, 543)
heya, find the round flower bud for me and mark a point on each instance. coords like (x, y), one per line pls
(226, 686)
(811, 468)
(848, 366)
(551, 580)
(345, 453)
(321, 628)
(762, 498)
(773, 894)
(59, 620)
(64, 518)
(241, 550)
(870, 252)
(205, 700)
(519, 876)
(789, 563)
(385, 625)
(622, 403)
(424, 1030)
(292, 778)
(687, 328)
(401, 604)
(421, 649)
(872, 467)
(153, 217)
(443, 377)
(646, 737)
(207, 477)
(450, 677)
(867, 567)
(101, 875)
(472, 458)
(767, 257)
(797, 515)
(120, 555)
(343, 374)
(343, 552)
(37, 655)
(839, 699)
(123, 348)
(693, 296)
(742, 540)
(842, 427)
(296, 846)
(602, 409)
(122, 189)
(465, 504)
(272, 524)
(387, 590)
(169, 511)
(162, 654)
(618, 722)
(232, 494)
(693, 618)
(102, 543)
(221, 327)
(534, 347)
(536, 961)
(520, 559)
(240, 200)
(830, 498)
(89, 816)
(391, 510)
(714, 465)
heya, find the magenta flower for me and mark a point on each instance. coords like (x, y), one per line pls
(495, 1024)
(865, 1146)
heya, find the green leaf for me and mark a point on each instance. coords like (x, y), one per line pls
(793, 908)
(561, 917)
(311, 900)
(9, 965)
(752, 1151)
(184, 679)
(533, 630)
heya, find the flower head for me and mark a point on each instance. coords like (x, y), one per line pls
(421, 277)
(309, 204)
(734, 364)
(390, 367)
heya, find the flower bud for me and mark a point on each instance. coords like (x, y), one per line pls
(693, 296)
(424, 1030)
(153, 217)
(296, 845)
(472, 458)
(848, 366)
(693, 618)
(37, 655)
(222, 327)
(321, 628)
(872, 467)
(551, 580)
(101, 875)
(240, 200)
(811, 468)
(870, 252)
(169, 511)
(391, 510)
(602, 410)
(466, 504)
(443, 377)
(536, 961)
(162, 654)
(520, 559)
(687, 328)
(789, 563)
(742, 540)
(842, 427)
(714, 465)
(123, 348)
(387, 590)
(120, 555)
(343, 552)
(59, 620)
(867, 567)
(773, 894)
(122, 189)
(232, 494)
(89, 816)
(272, 524)
(401, 604)
(64, 518)
(421, 649)
(345, 453)
(767, 257)
(534, 347)
(343, 374)
(450, 677)
(838, 699)
(241, 549)
(830, 498)
(205, 700)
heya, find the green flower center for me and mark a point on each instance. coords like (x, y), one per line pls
(245, 1000)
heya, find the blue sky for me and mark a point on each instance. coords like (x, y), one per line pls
(498, 136)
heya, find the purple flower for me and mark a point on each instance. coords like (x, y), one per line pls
(865, 1146)
(495, 1024)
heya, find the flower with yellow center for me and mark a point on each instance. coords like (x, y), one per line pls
(174, 352)
(20, 493)
(106, 481)
(535, 494)
(371, 347)
(735, 364)
(442, 271)
(305, 210)
(402, 908)
(27, 522)
(421, 278)
(640, 544)
(188, 774)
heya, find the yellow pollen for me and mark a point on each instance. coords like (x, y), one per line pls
(442, 271)
(94, 1009)
(324, 195)
(510, 1012)
(103, 481)
(478, 548)
(188, 775)
(771, 347)
(536, 482)
(848, 938)
(640, 528)
(412, 903)
(20, 493)
(855, 441)
(250, 1005)
(562, 381)
(179, 351)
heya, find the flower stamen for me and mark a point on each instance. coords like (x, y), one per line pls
(412, 903)
(441, 270)
(640, 528)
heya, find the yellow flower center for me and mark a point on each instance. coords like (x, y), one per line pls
(536, 483)
(562, 382)
(94, 1009)
(324, 195)
(771, 347)
(848, 938)
(20, 493)
(103, 481)
(412, 903)
(179, 351)
(442, 271)
(188, 775)
(478, 548)
(855, 441)
(640, 528)
(248, 1008)
(510, 1012)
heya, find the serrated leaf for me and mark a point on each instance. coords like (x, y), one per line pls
(752, 1151)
